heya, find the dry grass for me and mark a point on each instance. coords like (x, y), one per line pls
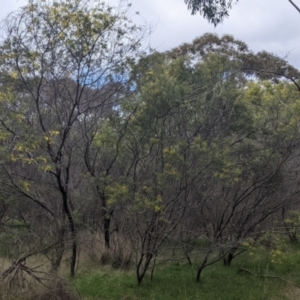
(4, 263)
(26, 287)
(92, 250)
(292, 293)
(33, 279)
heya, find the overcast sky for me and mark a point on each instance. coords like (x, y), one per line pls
(271, 25)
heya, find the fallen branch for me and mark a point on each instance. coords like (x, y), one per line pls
(19, 264)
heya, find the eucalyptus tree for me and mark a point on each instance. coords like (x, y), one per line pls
(248, 123)
(247, 64)
(198, 161)
(153, 189)
(168, 145)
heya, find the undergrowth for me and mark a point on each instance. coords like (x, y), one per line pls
(256, 274)
(260, 273)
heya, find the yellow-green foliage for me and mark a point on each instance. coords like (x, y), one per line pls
(148, 201)
(272, 107)
(116, 192)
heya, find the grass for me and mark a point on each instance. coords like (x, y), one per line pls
(177, 280)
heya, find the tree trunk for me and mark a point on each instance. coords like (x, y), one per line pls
(73, 235)
(203, 265)
(59, 251)
(143, 267)
(227, 258)
(106, 226)
(106, 218)
(293, 237)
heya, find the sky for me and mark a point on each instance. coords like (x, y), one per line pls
(269, 25)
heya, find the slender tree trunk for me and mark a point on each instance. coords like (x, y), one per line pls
(106, 225)
(59, 250)
(73, 235)
(227, 258)
(106, 218)
(143, 267)
(153, 268)
(202, 266)
(145, 259)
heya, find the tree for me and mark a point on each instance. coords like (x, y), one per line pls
(262, 65)
(260, 145)
(216, 10)
(249, 144)
(155, 180)
(208, 142)
(101, 145)
(62, 61)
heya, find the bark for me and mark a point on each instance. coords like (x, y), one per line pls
(202, 266)
(59, 249)
(143, 267)
(73, 235)
(106, 226)
(227, 258)
(71, 222)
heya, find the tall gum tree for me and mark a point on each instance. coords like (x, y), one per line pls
(240, 136)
